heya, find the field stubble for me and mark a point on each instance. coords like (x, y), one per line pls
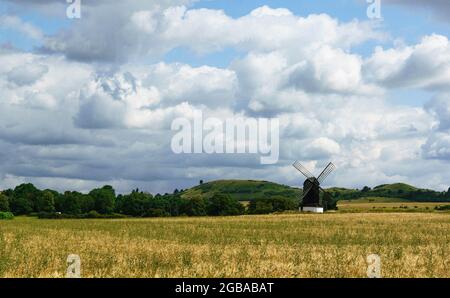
(283, 245)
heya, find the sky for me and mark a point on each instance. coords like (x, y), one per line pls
(90, 101)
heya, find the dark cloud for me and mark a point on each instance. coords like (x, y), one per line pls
(27, 74)
(440, 7)
(88, 128)
(439, 106)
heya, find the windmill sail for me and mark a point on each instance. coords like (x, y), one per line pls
(302, 169)
(327, 171)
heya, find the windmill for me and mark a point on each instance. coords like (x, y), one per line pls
(310, 200)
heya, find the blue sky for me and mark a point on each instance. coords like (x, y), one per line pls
(405, 24)
(388, 114)
(402, 24)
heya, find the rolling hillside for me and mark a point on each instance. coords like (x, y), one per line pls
(245, 190)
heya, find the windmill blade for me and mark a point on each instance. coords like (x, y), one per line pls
(302, 169)
(327, 171)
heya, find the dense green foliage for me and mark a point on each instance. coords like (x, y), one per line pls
(103, 199)
(243, 190)
(397, 190)
(6, 215)
(271, 204)
(217, 198)
(4, 203)
(443, 208)
(222, 204)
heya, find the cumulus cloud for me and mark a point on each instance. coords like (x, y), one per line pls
(69, 124)
(27, 74)
(15, 23)
(152, 31)
(439, 106)
(425, 65)
(437, 146)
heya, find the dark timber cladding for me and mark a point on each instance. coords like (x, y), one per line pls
(311, 186)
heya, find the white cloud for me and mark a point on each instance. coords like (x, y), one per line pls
(27, 74)
(425, 65)
(68, 124)
(149, 30)
(439, 106)
(437, 146)
(15, 23)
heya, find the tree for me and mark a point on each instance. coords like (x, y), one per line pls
(201, 182)
(222, 204)
(157, 207)
(329, 202)
(20, 206)
(45, 202)
(87, 203)
(4, 203)
(72, 202)
(134, 204)
(8, 192)
(195, 206)
(104, 199)
(281, 203)
(261, 206)
(366, 189)
(24, 199)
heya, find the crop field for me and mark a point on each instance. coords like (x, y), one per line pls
(387, 205)
(282, 245)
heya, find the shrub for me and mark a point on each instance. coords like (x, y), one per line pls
(260, 207)
(156, 212)
(443, 207)
(90, 215)
(93, 214)
(4, 203)
(6, 215)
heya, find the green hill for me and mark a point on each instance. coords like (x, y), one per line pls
(401, 191)
(246, 190)
(243, 190)
(396, 187)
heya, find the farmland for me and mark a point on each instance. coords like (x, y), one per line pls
(410, 244)
(377, 204)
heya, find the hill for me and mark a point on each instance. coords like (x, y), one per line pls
(243, 190)
(400, 191)
(396, 187)
(246, 190)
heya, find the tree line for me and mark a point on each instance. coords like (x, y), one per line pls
(417, 195)
(26, 199)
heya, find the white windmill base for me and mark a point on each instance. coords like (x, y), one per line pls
(313, 209)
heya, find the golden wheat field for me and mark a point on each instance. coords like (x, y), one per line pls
(284, 245)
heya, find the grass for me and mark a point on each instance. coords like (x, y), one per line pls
(283, 245)
(381, 204)
(243, 190)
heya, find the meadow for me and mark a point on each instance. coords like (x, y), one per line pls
(278, 245)
(380, 204)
